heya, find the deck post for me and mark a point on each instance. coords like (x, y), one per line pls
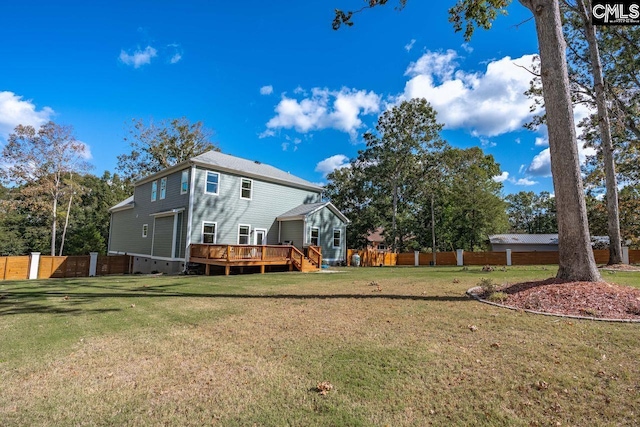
(262, 269)
(227, 269)
(207, 269)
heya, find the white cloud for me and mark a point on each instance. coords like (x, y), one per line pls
(325, 109)
(267, 133)
(488, 104)
(175, 58)
(525, 182)
(466, 47)
(486, 143)
(266, 90)
(502, 177)
(541, 164)
(541, 142)
(15, 111)
(139, 57)
(332, 163)
(409, 45)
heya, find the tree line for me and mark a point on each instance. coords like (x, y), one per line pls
(51, 203)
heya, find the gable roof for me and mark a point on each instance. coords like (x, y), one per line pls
(303, 211)
(535, 239)
(221, 162)
(125, 204)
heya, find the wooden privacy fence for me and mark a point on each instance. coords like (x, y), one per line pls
(45, 267)
(372, 258)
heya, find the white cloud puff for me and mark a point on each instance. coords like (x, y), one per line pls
(328, 165)
(488, 104)
(409, 45)
(502, 177)
(139, 57)
(266, 90)
(525, 182)
(325, 109)
(15, 111)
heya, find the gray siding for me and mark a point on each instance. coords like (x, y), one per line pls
(127, 225)
(163, 236)
(327, 221)
(228, 210)
(292, 231)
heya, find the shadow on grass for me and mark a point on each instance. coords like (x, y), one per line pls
(69, 303)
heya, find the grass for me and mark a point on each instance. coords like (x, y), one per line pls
(401, 347)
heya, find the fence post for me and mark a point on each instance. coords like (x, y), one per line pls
(460, 256)
(625, 255)
(416, 258)
(34, 265)
(93, 263)
(508, 256)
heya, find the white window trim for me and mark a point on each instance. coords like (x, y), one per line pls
(248, 234)
(311, 235)
(251, 190)
(145, 230)
(163, 188)
(184, 179)
(206, 176)
(215, 234)
(339, 230)
(154, 195)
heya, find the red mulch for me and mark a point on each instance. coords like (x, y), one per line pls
(588, 299)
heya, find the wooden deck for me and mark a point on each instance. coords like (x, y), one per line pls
(229, 256)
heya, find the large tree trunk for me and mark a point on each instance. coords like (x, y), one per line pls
(613, 219)
(53, 226)
(576, 256)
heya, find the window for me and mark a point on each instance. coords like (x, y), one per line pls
(246, 185)
(337, 238)
(163, 188)
(209, 232)
(154, 191)
(145, 230)
(243, 234)
(315, 236)
(213, 180)
(184, 182)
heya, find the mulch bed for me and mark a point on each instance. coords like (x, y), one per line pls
(588, 299)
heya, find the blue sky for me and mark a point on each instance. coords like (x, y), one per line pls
(272, 79)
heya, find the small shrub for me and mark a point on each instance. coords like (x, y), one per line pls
(497, 297)
(488, 286)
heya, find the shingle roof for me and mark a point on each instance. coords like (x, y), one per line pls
(251, 168)
(524, 239)
(535, 239)
(302, 211)
(125, 204)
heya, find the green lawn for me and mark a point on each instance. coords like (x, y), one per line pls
(397, 344)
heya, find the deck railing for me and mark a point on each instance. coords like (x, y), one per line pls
(254, 253)
(315, 255)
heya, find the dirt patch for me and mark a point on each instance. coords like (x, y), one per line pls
(589, 299)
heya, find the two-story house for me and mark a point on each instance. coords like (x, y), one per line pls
(218, 199)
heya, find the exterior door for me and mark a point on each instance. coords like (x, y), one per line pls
(260, 236)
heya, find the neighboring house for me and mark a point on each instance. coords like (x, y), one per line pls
(216, 198)
(533, 242)
(375, 240)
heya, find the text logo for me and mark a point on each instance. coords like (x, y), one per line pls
(615, 12)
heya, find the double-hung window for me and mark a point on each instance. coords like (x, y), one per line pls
(213, 183)
(154, 191)
(209, 232)
(163, 188)
(243, 234)
(337, 238)
(184, 182)
(246, 188)
(314, 236)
